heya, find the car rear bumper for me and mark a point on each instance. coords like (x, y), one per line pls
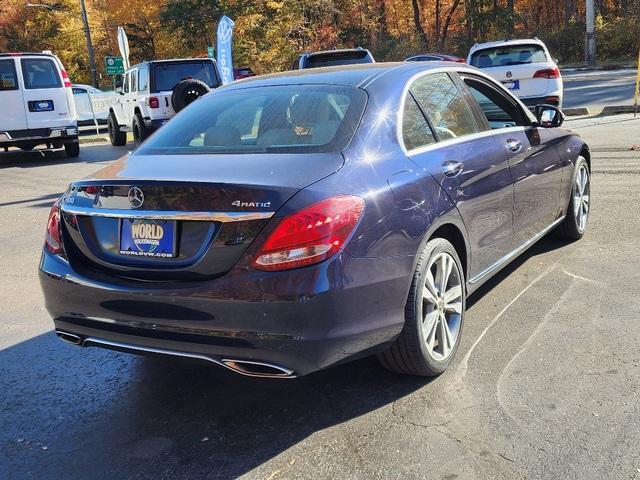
(38, 136)
(297, 322)
(550, 99)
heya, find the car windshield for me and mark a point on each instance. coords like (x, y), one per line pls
(304, 118)
(168, 74)
(508, 55)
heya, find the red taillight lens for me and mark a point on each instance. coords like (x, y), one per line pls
(154, 102)
(53, 237)
(310, 235)
(65, 79)
(547, 73)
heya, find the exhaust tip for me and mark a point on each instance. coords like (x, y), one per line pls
(69, 337)
(257, 369)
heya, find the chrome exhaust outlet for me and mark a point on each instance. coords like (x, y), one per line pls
(257, 369)
(69, 337)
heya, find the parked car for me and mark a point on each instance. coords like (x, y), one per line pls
(435, 57)
(286, 223)
(37, 103)
(242, 72)
(523, 66)
(329, 58)
(90, 101)
(151, 93)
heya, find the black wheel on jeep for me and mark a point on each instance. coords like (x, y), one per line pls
(186, 92)
(72, 149)
(116, 137)
(140, 132)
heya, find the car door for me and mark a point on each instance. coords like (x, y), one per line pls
(533, 158)
(13, 116)
(468, 163)
(44, 94)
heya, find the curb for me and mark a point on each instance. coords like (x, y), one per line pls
(599, 111)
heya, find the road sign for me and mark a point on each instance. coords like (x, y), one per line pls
(114, 65)
(211, 52)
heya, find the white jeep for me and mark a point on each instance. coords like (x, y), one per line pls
(36, 103)
(151, 93)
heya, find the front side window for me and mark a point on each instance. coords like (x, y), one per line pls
(133, 84)
(8, 78)
(498, 109)
(40, 73)
(447, 110)
(125, 88)
(508, 55)
(305, 118)
(416, 132)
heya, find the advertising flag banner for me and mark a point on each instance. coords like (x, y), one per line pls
(225, 34)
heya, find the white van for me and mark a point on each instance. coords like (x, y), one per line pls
(37, 104)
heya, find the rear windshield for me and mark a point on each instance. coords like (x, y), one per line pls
(40, 73)
(167, 75)
(303, 118)
(337, 58)
(508, 55)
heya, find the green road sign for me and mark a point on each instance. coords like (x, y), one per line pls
(211, 52)
(114, 65)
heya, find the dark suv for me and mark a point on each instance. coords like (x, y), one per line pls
(329, 58)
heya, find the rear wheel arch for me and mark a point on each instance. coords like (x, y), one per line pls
(454, 235)
(587, 155)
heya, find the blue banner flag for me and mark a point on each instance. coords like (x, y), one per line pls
(225, 62)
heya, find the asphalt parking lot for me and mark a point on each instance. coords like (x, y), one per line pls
(545, 385)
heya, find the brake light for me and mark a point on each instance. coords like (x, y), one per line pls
(65, 78)
(53, 237)
(547, 73)
(310, 235)
(154, 102)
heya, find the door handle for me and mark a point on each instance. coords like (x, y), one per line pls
(452, 168)
(514, 145)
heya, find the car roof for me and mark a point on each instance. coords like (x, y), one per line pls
(170, 60)
(357, 75)
(336, 50)
(27, 54)
(500, 43)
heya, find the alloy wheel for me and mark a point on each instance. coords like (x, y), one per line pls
(441, 306)
(581, 198)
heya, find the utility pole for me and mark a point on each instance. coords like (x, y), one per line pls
(590, 38)
(87, 34)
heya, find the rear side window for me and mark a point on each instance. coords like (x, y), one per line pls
(167, 75)
(143, 79)
(40, 73)
(416, 132)
(8, 78)
(283, 119)
(447, 110)
(508, 55)
(133, 84)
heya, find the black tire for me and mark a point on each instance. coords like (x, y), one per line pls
(410, 354)
(186, 92)
(140, 132)
(72, 149)
(116, 137)
(571, 228)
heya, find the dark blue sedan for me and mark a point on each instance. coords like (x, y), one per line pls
(290, 222)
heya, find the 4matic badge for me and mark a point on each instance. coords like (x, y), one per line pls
(238, 203)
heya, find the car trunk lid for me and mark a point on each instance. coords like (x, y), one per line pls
(211, 207)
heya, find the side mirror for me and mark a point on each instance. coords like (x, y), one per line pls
(119, 90)
(549, 116)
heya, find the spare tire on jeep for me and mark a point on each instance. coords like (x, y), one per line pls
(186, 92)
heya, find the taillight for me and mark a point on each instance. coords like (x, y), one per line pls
(547, 73)
(154, 102)
(53, 237)
(65, 78)
(310, 235)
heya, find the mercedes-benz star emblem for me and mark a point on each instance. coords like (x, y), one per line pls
(509, 74)
(136, 197)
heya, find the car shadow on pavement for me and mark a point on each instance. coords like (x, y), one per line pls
(71, 412)
(39, 158)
